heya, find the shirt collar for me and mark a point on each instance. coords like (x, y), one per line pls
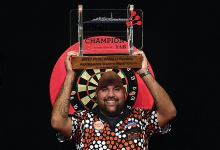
(97, 111)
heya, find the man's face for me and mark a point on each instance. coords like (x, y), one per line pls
(110, 95)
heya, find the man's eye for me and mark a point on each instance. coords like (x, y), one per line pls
(117, 89)
(104, 89)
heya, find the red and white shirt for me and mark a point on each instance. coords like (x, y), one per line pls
(132, 130)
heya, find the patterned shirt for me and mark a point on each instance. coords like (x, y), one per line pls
(132, 130)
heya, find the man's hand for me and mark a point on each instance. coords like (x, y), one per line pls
(68, 64)
(144, 62)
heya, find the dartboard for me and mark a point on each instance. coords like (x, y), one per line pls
(86, 81)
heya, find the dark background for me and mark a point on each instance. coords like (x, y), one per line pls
(180, 41)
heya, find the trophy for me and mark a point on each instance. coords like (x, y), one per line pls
(107, 38)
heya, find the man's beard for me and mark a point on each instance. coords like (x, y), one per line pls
(104, 108)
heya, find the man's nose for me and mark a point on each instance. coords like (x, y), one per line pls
(111, 93)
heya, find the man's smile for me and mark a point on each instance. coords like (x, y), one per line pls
(111, 102)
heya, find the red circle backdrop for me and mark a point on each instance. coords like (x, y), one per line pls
(144, 98)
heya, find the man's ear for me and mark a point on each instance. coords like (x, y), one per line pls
(124, 91)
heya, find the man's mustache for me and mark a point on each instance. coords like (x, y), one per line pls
(111, 99)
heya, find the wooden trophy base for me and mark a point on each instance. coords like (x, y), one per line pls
(107, 62)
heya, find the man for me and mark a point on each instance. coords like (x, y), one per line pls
(111, 125)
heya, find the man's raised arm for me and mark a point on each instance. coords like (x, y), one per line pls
(166, 111)
(59, 118)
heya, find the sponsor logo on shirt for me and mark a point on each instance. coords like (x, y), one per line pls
(98, 125)
(132, 124)
(132, 136)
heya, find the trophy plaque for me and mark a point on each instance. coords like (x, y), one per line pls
(107, 38)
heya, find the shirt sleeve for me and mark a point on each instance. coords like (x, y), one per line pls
(152, 124)
(76, 122)
(165, 129)
(61, 138)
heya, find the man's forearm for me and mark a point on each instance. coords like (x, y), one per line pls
(164, 105)
(61, 106)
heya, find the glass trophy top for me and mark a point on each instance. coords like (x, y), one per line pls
(106, 31)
